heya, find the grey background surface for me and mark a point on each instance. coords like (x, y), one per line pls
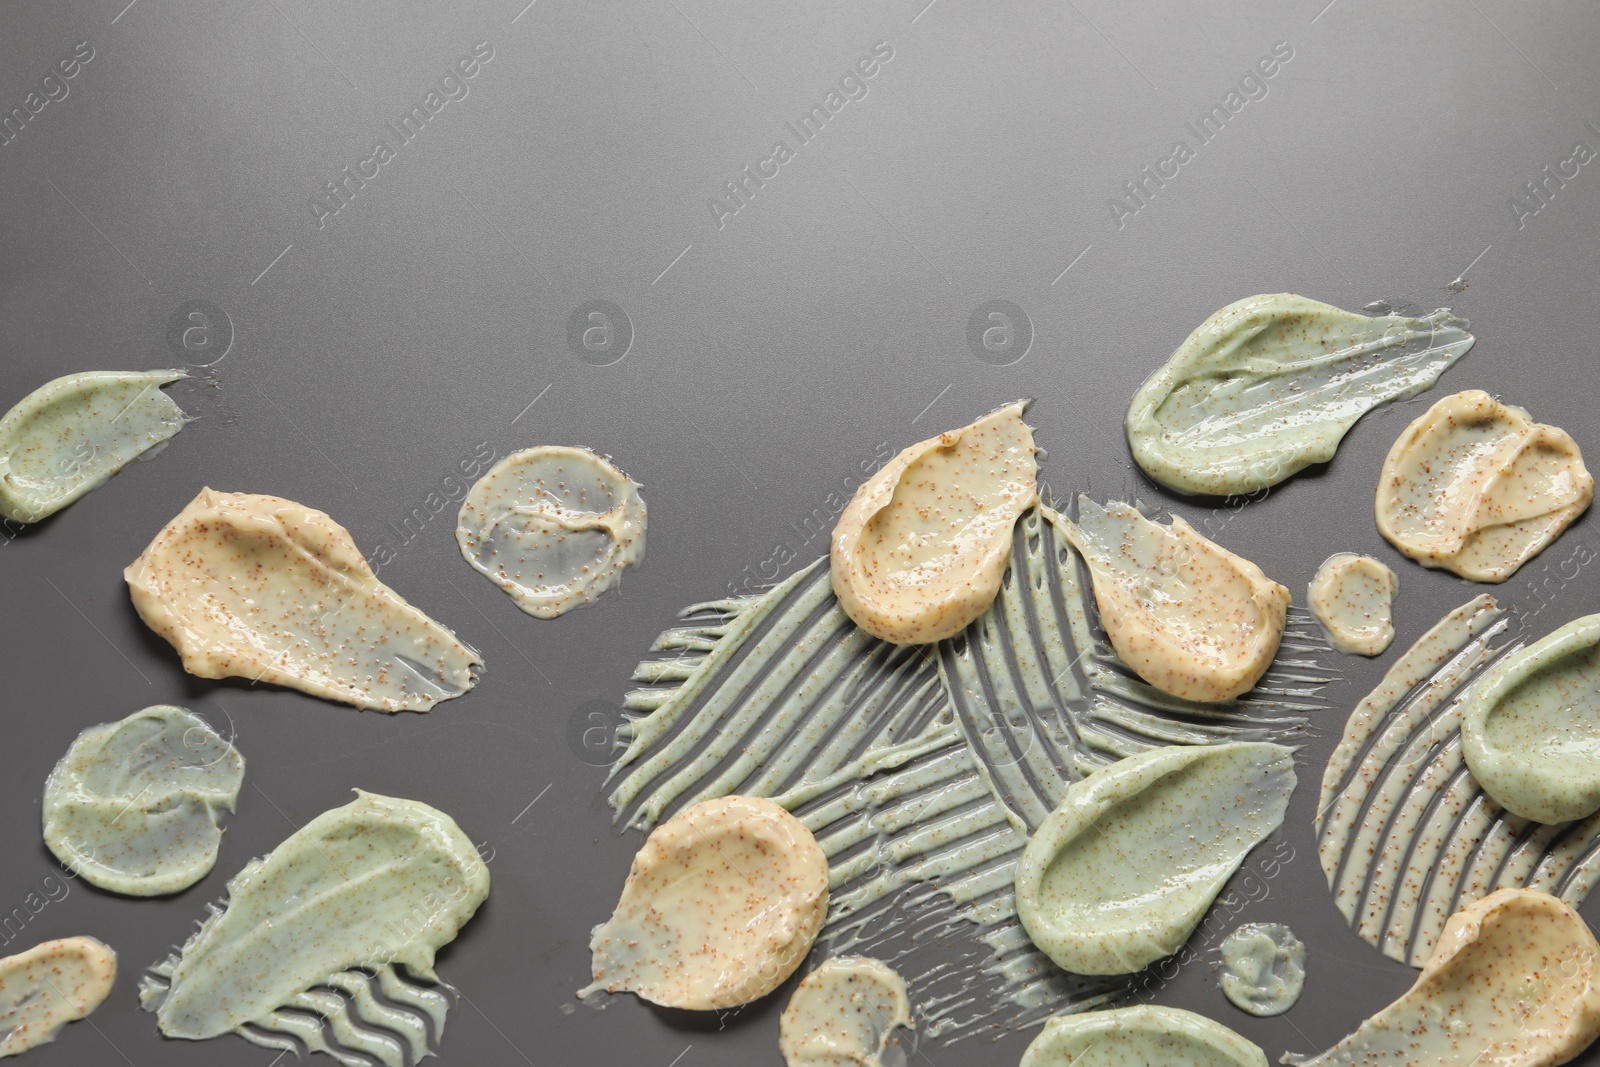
(769, 356)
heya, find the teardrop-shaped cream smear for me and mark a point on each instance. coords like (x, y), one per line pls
(49, 986)
(263, 588)
(1143, 1036)
(1190, 617)
(843, 1014)
(1271, 384)
(1121, 872)
(1478, 488)
(721, 905)
(921, 549)
(1530, 727)
(70, 435)
(1511, 984)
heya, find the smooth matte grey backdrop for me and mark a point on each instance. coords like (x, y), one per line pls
(743, 365)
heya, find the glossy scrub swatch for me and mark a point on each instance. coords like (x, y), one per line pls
(924, 774)
(1190, 617)
(1263, 968)
(1271, 384)
(1120, 874)
(1353, 598)
(919, 552)
(70, 435)
(1478, 488)
(263, 588)
(1512, 984)
(721, 905)
(1140, 1037)
(553, 526)
(1530, 727)
(375, 884)
(843, 1014)
(133, 806)
(49, 986)
(1405, 833)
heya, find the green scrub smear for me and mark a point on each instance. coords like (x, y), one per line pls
(71, 435)
(377, 883)
(1264, 968)
(1271, 384)
(1138, 1037)
(1530, 728)
(133, 805)
(1123, 870)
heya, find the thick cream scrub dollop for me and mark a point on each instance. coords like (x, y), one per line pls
(1190, 617)
(1512, 984)
(263, 588)
(920, 550)
(721, 905)
(1478, 488)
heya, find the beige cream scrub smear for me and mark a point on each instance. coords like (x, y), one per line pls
(263, 588)
(722, 904)
(921, 549)
(554, 527)
(1478, 488)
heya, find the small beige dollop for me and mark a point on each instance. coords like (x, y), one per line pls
(721, 905)
(1352, 597)
(1190, 617)
(1477, 487)
(843, 1014)
(1512, 984)
(921, 549)
(263, 588)
(553, 526)
(49, 986)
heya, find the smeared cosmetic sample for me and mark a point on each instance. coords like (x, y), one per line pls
(1478, 488)
(71, 435)
(919, 552)
(721, 905)
(133, 805)
(553, 526)
(262, 588)
(1271, 384)
(922, 775)
(1404, 832)
(1353, 597)
(49, 986)
(843, 1013)
(1511, 984)
(1121, 873)
(1140, 1037)
(1190, 617)
(1530, 727)
(1264, 968)
(341, 905)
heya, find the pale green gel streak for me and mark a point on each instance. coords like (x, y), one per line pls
(1530, 728)
(1121, 872)
(1271, 384)
(133, 805)
(1139, 1037)
(379, 881)
(72, 434)
(1264, 968)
